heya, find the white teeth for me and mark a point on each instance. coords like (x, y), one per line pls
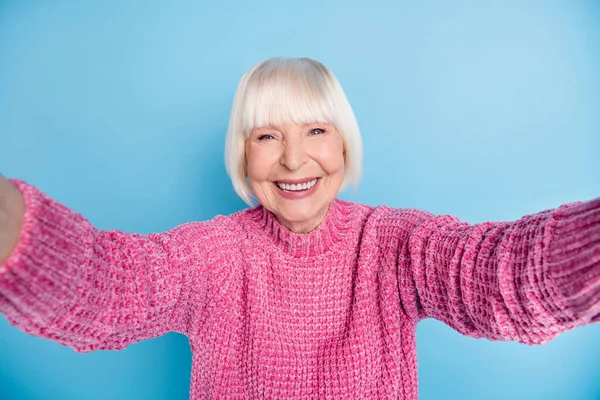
(297, 187)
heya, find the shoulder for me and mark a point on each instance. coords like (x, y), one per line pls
(381, 218)
(387, 224)
(354, 211)
(378, 222)
(400, 217)
(385, 216)
(220, 234)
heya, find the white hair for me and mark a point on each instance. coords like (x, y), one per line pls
(289, 90)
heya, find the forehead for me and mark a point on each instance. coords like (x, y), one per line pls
(290, 126)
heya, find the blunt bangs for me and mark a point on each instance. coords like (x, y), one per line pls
(287, 93)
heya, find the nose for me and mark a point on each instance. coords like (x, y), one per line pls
(294, 155)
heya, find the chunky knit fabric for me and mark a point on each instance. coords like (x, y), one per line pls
(330, 314)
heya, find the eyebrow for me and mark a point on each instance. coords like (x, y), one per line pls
(302, 125)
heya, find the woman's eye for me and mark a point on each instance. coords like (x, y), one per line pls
(317, 131)
(266, 137)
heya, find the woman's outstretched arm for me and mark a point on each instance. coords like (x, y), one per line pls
(90, 289)
(526, 280)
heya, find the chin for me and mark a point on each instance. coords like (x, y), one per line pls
(299, 213)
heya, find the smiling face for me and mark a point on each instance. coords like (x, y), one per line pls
(292, 141)
(296, 171)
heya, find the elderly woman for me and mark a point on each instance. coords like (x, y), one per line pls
(304, 295)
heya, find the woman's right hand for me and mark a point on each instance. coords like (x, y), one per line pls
(12, 208)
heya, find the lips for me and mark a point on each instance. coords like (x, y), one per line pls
(296, 187)
(297, 181)
(299, 189)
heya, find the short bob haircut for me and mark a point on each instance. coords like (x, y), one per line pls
(289, 90)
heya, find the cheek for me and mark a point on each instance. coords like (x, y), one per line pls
(332, 158)
(259, 163)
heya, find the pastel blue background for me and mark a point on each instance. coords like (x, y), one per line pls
(483, 110)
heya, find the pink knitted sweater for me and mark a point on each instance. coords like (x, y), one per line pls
(330, 314)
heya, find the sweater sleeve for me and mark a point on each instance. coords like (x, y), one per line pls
(91, 289)
(526, 280)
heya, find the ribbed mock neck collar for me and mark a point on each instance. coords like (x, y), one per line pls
(332, 230)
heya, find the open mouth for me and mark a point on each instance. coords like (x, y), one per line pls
(297, 187)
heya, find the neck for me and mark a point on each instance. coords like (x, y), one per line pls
(335, 227)
(303, 227)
